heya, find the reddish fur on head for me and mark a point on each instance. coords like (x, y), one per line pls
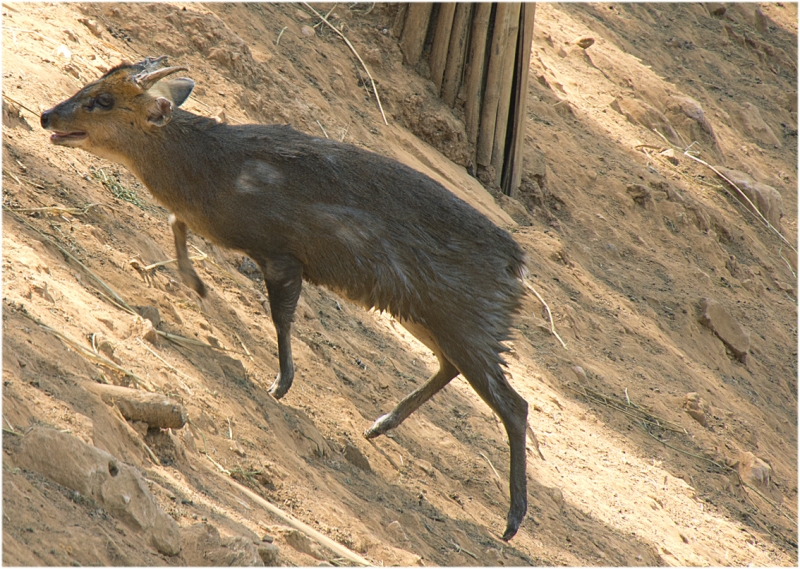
(108, 115)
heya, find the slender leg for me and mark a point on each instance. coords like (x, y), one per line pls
(412, 402)
(185, 268)
(447, 371)
(284, 278)
(512, 409)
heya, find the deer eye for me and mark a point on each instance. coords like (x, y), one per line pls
(103, 100)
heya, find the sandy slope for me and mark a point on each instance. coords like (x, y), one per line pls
(623, 244)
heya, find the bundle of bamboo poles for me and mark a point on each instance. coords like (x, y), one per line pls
(478, 57)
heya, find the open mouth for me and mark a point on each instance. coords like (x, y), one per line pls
(65, 137)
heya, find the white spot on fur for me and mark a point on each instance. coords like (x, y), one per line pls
(256, 174)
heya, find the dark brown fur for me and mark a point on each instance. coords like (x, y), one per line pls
(379, 233)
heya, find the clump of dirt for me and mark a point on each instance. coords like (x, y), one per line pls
(668, 426)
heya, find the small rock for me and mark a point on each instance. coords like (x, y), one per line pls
(579, 373)
(425, 467)
(308, 31)
(767, 199)
(69, 33)
(302, 15)
(203, 546)
(106, 348)
(395, 529)
(221, 117)
(752, 123)
(63, 52)
(109, 322)
(356, 458)
(717, 9)
(696, 407)
(140, 427)
(494, 557)
(149, 332)
(790, 101)
(269, 554)
(267, 538)
(760, 21)
(302, 543)
(639, 193)
(669, 154)
(731, 265)
(754, 470)
(373, 56)
(214, 341)
(727, 329)
(639, 112)
(93, 26)
(585, 42)
(150, 313)
(557, 496)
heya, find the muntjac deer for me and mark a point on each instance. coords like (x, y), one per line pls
(375, 231)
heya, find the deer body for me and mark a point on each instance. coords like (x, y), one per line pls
(376, 231)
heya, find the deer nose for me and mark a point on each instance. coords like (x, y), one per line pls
(45, 119)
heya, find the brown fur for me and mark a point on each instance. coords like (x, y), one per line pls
(379, 233)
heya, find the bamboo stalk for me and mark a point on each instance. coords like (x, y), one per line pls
(512, 172)
(399, 21)
(492, 94)
(454, 69)
(414, 31)
(441, 42)
(504, 101)
(475, 68)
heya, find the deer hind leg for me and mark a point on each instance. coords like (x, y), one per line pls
(185, 268)
(491, 385)
(447, 371)
(284, 278)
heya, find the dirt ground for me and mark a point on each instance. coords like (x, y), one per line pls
(662, 444)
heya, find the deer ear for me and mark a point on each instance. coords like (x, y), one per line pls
(176, 90)
(159, 113)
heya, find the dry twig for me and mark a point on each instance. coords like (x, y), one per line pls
(755, 210)
(20, 105)
(549, 314)
(350, 45)
(277, 41)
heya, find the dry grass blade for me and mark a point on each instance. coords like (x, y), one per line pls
(326, 16)
(277, 41)
(549, 314)
(755, 210)
(165, 362)
(20, 105)
(489, 462)
(632, 411)
(167, 262)
(350, 45)
(58, 210)
(190, 342)
(92, 356)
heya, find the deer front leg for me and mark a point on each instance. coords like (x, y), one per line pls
(185, 268)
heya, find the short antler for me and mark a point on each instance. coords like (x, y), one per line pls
(150, 72)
